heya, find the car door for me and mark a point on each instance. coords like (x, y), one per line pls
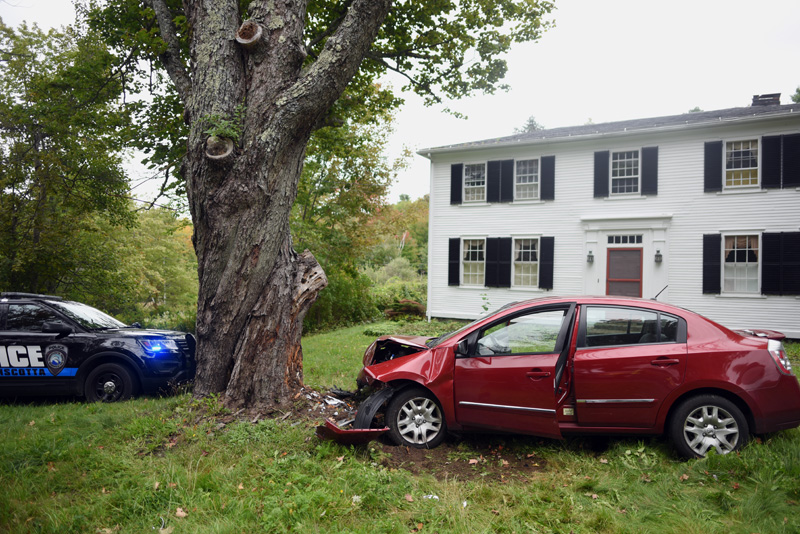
(31, 357)
(506, 381)
(626, 362)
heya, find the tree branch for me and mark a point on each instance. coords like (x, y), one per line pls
(171, 58)
(323, 81)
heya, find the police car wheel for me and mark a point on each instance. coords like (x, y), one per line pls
(108, 383)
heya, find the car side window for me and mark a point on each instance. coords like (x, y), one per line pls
(523, 334)
(28, 317)
(612, 326)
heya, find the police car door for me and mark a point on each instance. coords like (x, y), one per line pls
(31, 358)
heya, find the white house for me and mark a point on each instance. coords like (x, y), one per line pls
(701, 209)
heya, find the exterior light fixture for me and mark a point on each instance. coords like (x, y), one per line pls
(659, 257)
(590, 257)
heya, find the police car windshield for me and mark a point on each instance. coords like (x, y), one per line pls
(86, 315)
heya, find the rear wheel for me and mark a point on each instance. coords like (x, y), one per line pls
(705, 422)
(108, 382)
(415, 419)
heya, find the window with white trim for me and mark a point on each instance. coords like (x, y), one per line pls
(740, 264)
(741, 163)
(474, 182)
(473, 262)
(625, 172)
(526, 180)
(526, 263)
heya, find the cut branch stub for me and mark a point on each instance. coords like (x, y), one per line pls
(249, 34)
(218, 148)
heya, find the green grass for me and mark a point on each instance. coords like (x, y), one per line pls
(77, 468)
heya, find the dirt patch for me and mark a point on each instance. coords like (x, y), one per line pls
(486, 456)
(470, 457)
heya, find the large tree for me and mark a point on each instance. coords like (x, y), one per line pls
(270, 98)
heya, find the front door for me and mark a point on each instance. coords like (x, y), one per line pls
(507, 383)
(624, 277)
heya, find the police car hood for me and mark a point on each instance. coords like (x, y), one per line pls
(138, 332)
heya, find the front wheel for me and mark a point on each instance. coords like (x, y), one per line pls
(415, 419)
(108, 382)
(705, 422)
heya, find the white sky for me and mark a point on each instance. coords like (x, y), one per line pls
(605, 60)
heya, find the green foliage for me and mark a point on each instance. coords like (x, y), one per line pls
(796, 96)
(227, 127)
(402, 231)
(530, 126)
(62, 187)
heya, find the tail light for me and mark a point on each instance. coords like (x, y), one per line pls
(775, 348)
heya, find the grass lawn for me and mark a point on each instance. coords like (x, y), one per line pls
(173, 466)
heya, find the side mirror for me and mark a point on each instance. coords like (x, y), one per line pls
(56, 327)
(462, 349)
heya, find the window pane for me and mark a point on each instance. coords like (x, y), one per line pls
(741, 163)
(28, 317)
(619, 326)
(527, 179)
(473, 264)
(526, 263)
(532, 333)
(740, 268)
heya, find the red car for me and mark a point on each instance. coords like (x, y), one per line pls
(566, 366)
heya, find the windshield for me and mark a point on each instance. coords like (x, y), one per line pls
(437, 341)
(85, 315)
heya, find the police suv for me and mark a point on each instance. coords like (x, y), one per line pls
(49, 346)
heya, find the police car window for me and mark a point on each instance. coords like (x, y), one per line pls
(28, 317)
(85, 315)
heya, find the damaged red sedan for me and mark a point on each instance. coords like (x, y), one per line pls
(556, 367)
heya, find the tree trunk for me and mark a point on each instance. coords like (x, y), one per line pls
(254, 289)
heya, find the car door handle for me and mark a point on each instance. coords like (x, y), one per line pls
(663, 362)
(536, 375)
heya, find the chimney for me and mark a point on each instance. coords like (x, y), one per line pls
(773, 99)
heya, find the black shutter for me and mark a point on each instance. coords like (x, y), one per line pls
(712, 168)
(601, 174)
(504, 262)
(650, 170)
(780, 263)
(546, 254)
(456, 182)
(712, 267)
(507, 180)
(493, 181)
(454, 262)
(491, 265)
(548, 178)
(771, 162)
(791, 160)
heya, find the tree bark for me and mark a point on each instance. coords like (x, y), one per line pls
(254, 288)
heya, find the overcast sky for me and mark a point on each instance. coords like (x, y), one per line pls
(605, 60)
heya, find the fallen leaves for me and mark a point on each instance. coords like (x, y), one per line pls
(684, 477)
(409, 498)
(180, 512)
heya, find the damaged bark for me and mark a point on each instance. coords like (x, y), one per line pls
(254, 288)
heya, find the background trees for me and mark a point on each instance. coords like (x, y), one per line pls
(61, 180)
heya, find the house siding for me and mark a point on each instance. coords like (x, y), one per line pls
(672, 222)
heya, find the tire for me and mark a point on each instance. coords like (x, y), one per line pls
(108, 382)
(415, 419)
(707, 421)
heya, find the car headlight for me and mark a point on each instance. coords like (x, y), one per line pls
(154, 347)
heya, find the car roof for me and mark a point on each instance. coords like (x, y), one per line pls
(17, 295)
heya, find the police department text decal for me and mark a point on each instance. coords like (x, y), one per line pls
(30, 360)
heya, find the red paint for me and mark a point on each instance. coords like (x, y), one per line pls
(606, 386)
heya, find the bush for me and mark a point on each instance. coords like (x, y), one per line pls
(347, 300)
